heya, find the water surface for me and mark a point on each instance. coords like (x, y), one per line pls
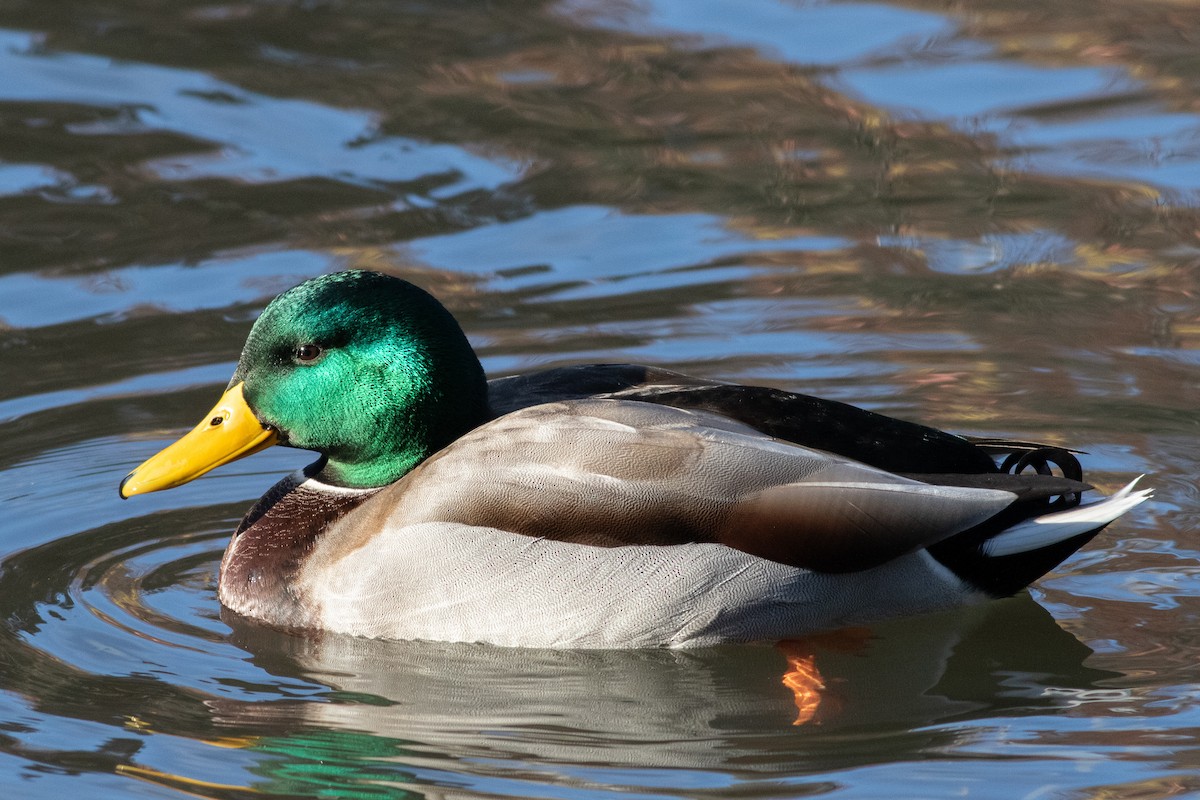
(984, 220)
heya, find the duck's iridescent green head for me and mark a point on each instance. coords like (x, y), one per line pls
(365, 368)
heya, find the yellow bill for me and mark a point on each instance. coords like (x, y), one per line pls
(229, 432)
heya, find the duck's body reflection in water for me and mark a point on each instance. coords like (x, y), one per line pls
(726, 710)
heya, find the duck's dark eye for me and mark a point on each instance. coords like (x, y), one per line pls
(307, 353)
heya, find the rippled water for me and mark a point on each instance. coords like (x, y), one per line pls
(984, 219)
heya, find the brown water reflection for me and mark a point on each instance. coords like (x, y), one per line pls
(980, 217)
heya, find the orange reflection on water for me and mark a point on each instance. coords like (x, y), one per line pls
(806, 683)
(804, 679)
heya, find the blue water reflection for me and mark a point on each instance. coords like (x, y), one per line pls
(989, 253)
(1161, 149)
(980, 92)
(240, 135)
(820, 34)
(18, 178)
(1059, 119)
(138, 386)
(596, 243)
(30, 299)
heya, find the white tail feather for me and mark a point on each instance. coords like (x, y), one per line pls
(1051, 528)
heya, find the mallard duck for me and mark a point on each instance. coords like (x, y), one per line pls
(605, 505)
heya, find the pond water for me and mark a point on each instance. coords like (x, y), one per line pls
(982, 217)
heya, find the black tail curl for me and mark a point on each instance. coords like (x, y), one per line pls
(1048, 461)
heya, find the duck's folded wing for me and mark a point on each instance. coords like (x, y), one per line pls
(615, 473)
(845, 526)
